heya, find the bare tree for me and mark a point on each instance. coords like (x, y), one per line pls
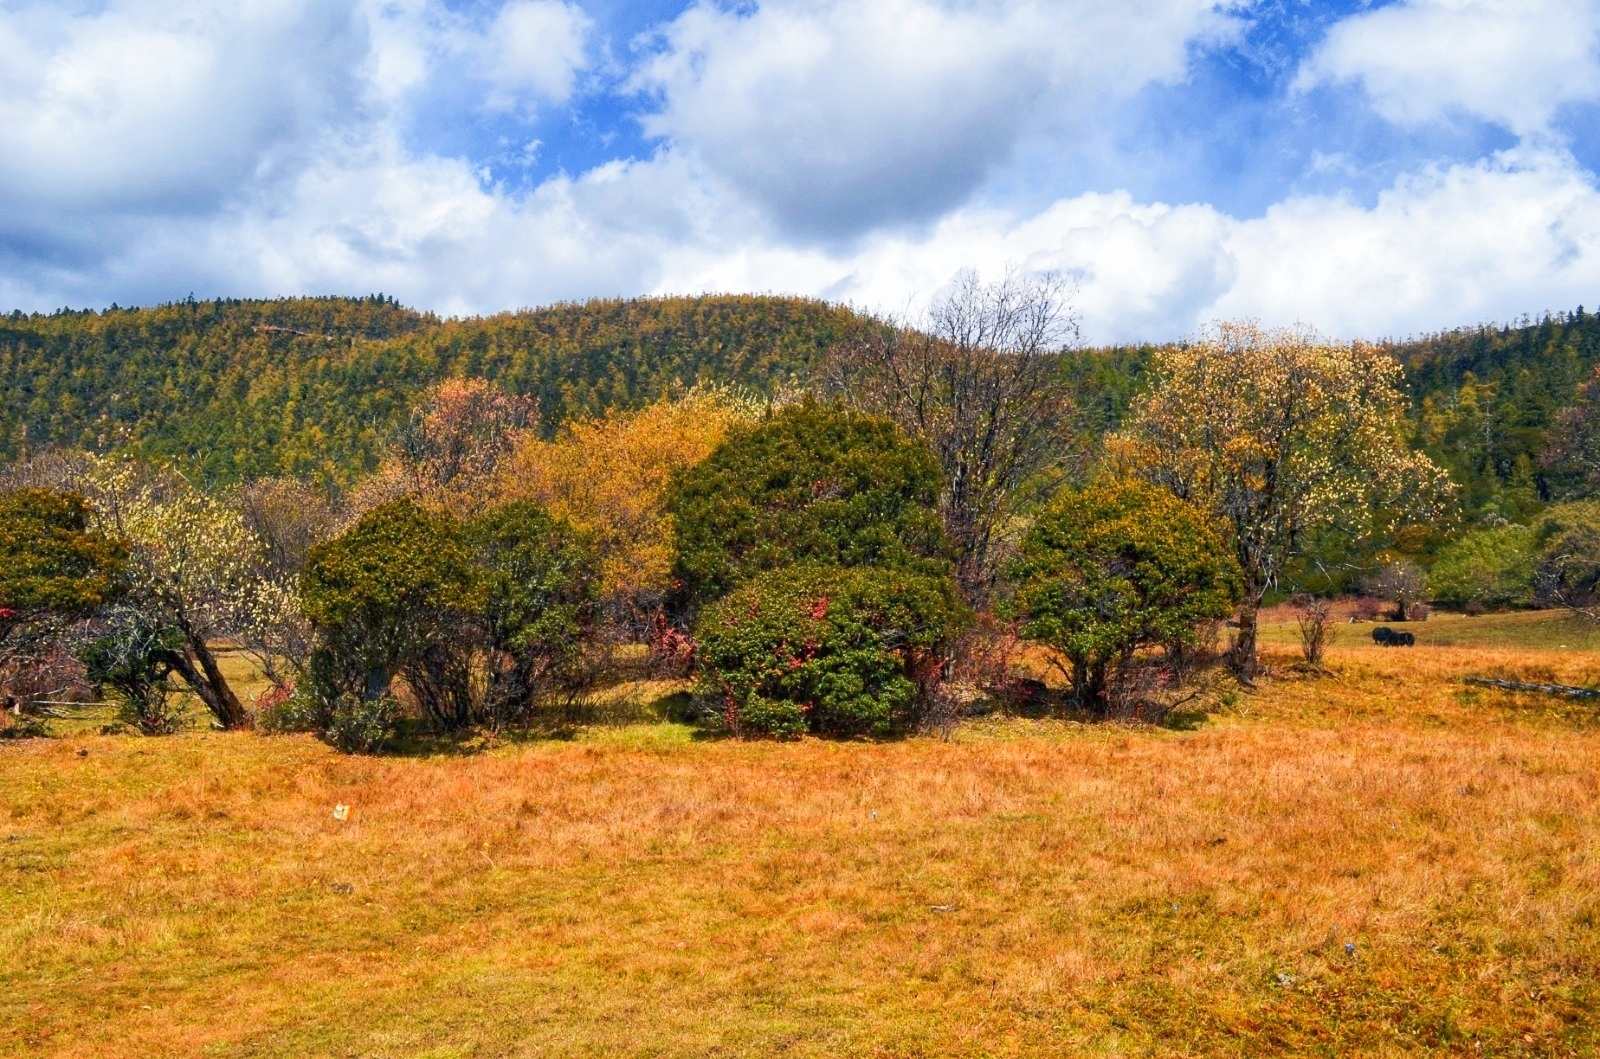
(288, 517)
(977, 381)
(1315, 617)
(457, 438)
(1569, 568)
(1572, 444)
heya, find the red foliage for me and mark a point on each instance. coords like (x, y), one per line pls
(671, 651)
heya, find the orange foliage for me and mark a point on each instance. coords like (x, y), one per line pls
(609, 476)
(460, 434)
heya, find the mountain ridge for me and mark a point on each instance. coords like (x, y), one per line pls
(315, 386)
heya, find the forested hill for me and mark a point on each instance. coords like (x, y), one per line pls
(1483, 399)
(1485, 396)
(315, 386)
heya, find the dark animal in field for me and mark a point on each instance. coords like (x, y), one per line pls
(1384, 636)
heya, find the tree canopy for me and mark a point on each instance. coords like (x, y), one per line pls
(1283, 435)
(1115, 566)
(609, 476)
(51, 558)
(812, 483)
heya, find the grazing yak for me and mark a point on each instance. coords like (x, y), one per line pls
(1387, 637)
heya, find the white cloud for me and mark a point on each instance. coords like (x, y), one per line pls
(164, 104)
(1142, 269)
(1447, 246)
(1510, 62)
(840, 116)
(371, 218)
(1442, 247)
(260, 149)
(539, 47)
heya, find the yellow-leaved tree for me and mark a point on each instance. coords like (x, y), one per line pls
(608, 477)
(1283, 434)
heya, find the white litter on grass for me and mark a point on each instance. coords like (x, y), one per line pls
(341, 812)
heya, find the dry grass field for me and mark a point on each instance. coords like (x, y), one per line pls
(1379, 861)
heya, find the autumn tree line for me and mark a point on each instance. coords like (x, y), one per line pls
(852, 550)
(317, 388)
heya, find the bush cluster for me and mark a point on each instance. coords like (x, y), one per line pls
(812, 560)
(827, 649)
(811, 484)
(1554, 561)
(482, 622)
(1116, 566)
(1486, 568)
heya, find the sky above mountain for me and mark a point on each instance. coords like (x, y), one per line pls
(1372, 168)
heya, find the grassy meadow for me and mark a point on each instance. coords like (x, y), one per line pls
(1375, 861)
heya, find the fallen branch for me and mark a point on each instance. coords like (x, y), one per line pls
(1548, 689)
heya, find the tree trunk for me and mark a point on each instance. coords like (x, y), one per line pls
(1089, 686)
(208, 682)
(1242, 656)
(1099, 684)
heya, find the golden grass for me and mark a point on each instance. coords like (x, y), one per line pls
(1029, 888)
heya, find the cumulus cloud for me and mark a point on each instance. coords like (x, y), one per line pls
(1444, 246)
(831, 149)
(841, 116)
(1450, 245)
(165, 104)
(371, 216)
(1511, 62)
(538, 47)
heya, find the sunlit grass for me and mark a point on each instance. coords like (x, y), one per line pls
(1539, 629)
(1029, 887)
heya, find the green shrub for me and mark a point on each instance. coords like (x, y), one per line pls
(136, 658)
(50, 559)
(361, 725)
(285, 710)
(1568, 541)
(1116, 566)
(539, 582)
(827, 649)
(393, 593)
(54, 571)
(1492, 567)
(483, 622)
(814, 484)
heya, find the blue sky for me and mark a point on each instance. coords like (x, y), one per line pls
(1372, 168)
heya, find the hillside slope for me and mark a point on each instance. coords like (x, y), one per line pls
(314, 386)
